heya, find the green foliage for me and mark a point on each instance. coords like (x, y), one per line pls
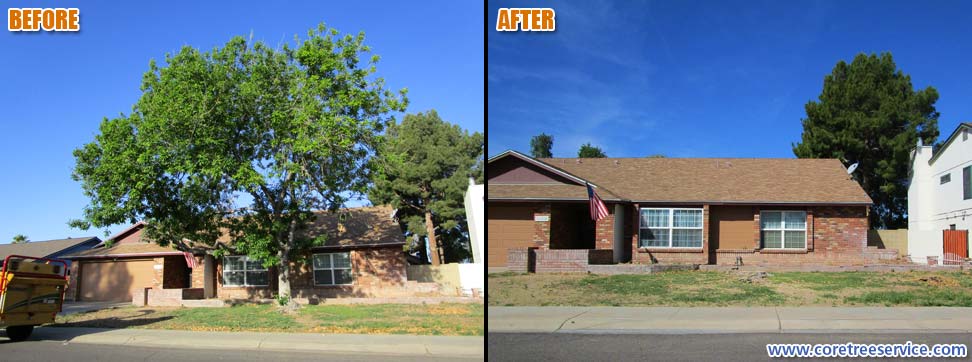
(20, 239)
(657, 155)
(292, 128)
(540, 146)
(425, 165)
(868, 113)
(282, 300)
(589, 151)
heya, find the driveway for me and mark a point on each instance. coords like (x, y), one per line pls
(81, 307)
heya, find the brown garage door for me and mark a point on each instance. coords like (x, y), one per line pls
(115, 280)
(509, 227)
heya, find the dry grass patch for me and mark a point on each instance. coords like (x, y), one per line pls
(699, 288)
(437, 319)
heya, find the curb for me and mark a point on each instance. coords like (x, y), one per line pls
(738, 331)
(437, 346)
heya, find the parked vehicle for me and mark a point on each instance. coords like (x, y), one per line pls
(31, 293)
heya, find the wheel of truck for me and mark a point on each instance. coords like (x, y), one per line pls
(19, 333)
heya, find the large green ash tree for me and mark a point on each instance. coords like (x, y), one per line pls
(425, 165)
(870, 114)
(244, 139)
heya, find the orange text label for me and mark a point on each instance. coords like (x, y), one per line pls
(48, 19)
(526, 19)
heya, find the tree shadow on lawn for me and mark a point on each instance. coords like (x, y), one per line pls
(128, 321)
(54, 331)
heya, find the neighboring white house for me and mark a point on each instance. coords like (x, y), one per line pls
(940, 193)
(471, 275)
(474, 217)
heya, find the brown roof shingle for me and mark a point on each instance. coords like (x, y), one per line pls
(729, 180)
(41, 249)
(351, 227)
(359, 226)
(125, 250)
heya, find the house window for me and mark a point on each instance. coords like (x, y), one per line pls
(945, 179)
(242, 271)
(332, 269)
(967, 183)
(670, 228)
(783, 229)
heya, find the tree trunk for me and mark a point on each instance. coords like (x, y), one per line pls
(433, 243)
(283, 277)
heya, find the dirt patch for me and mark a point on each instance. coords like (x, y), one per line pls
(752, 277)
(448, 310)
(937, 281)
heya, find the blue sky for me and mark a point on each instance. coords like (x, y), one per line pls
(706, 78)
(56, 88)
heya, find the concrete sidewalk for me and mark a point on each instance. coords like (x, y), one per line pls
(82, 307)
(440, 346)
(675, 320)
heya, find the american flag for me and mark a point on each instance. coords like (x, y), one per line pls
(598, 209)
(190, 260)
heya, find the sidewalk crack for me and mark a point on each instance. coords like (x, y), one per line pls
(568, 319)
(779, 323)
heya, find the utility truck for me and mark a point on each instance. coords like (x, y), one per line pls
(31, 293)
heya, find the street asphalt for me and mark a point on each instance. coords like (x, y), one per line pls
(259, 343)
(680, 347)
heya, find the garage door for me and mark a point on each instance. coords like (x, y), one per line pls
(115, 281)
(509, 227)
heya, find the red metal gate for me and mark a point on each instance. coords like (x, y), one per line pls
(956, 246)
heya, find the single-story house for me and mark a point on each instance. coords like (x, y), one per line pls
(673, 210)
(362, 257)
(50, 249)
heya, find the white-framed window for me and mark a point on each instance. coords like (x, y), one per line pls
(333, 269)
(242, 271)
(967, 183)
(670, 228)
(783, 229)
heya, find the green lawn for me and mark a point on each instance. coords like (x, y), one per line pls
(697, 288)
(433, 319)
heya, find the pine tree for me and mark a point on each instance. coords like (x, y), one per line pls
(869, 114)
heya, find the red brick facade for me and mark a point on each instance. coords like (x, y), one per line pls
(541, 231)
(836, 235)
(604, 231)
(378, 272)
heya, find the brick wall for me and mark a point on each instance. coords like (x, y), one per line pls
(518, 260)
(562, 260)
(600, 256)
(158, 273)
(647, 256)
(378, 272)
(541, 229)
(836, 235)
(71, 293)
(197, 275)
(604, 230)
